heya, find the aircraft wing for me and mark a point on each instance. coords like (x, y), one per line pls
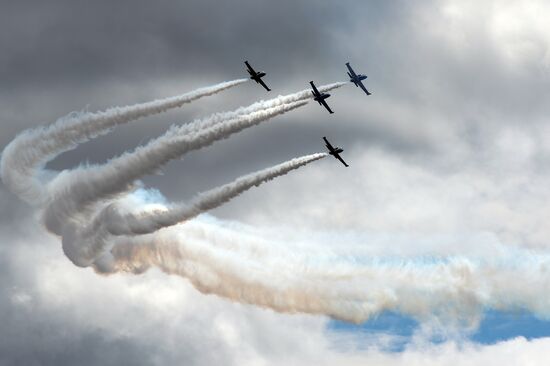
(314, 88)
(363, 87)
(337, 156)
(326, 106)
(261, 82)
(329, 146)
(249, 67)
(353, 74)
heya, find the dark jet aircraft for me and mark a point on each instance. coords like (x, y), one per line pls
(320, 97)
(256, 75)
(335, 151)
(357, 79)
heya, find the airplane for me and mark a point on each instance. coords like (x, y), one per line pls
(335, 151)
(256, 75)
(320, 97)
(357, 79)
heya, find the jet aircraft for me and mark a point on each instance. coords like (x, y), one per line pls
(357, 79)
(320, 97)
(256, 75)
(335, 151)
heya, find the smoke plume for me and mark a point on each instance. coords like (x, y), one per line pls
(106, 221)
(24, 158)
(83, 186)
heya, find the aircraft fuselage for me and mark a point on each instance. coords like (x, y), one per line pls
(320, 97)
(357, 78)
(336, 151)
(256, 76)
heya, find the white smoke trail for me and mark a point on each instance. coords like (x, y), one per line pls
(84, 186)
(24, 158)
(113, 178)
(312, 278)
(250, 265)
(209, 123)
(263, 104)
(118, 223)
(88, 242)
(61, 189)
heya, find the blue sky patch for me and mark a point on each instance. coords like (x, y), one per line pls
(494, 327)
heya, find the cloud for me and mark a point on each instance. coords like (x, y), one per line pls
(157, 319)
(91, 42)
(452, 142)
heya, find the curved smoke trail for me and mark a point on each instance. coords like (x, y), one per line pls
(84, 186)
(84, 244)
(73, 198)
(72, 191)
(277, 104)
(258, 106)
(24, 157)
(248, 266)
(245, 264)
(119, 223)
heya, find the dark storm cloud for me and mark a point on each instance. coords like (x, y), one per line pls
(57, 53)
(54, 55)
(80, 41)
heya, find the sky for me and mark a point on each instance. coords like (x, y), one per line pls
(439, 222)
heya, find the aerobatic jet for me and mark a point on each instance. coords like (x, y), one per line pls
(335, 151)
(357, 79)
(320, 97)
(256, 75)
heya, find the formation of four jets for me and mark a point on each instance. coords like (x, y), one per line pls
(319, 97)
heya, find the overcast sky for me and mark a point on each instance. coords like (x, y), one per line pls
(452, 143)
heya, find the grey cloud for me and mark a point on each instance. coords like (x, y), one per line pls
(79, 42)
(132, 43)
(91, 47)
(35, 332)
(58, 56)
(55, 314)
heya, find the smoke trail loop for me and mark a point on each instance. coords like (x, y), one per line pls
(211, 199)
(24, 158)
(77, 190)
